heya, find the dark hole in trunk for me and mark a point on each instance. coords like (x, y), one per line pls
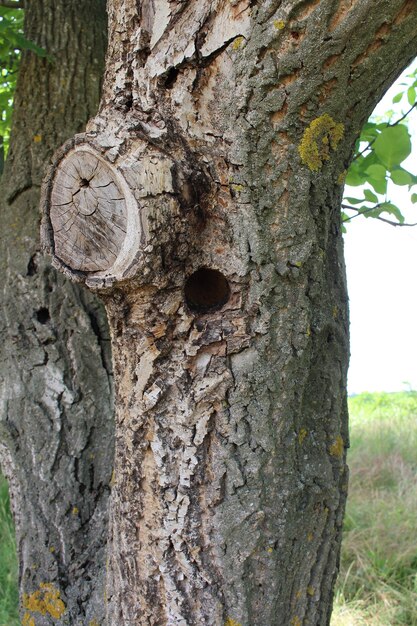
(206, 290)
(42, 315)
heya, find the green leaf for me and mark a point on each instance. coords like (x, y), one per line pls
(353, 178)
(373, 213)
(411, 96)
(382, 125)
(397, 98)
(414, 198)
(401, 177)
(369, 132)
(393, 145)
(370, 196)
(354, 200)
(377, 171)
(389, 207)
(379, 185)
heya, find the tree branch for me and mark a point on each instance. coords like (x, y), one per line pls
(11, 4)
(404, 116)
(377, 217)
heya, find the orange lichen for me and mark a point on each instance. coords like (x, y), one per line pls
(302, 435)
(337, 447)
(46, 601)
(28, 620)
(237, 43)
(321, 136)
(341, 178)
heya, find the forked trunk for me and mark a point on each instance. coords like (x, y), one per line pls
(203, 204)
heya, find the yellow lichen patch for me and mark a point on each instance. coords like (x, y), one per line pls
(308, 331)
(310, 537)
(238, 42)
(46, 601)
(295, 621)
(93, 622)
(279, 24)
(321, 136)
(299, 594)
(75, 510)
(335, 312)
(28, 620)
(341, 178)
(337, 447)
(270, 550)
(37, 138)
(52, 549)
(302, 435)
(310, 591)
(232, 622)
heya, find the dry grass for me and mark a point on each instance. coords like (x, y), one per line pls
(378, 580)
(8, 562)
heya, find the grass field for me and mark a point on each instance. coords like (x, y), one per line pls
(378, 580)
(8, 562)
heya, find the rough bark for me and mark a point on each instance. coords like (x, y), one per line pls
(56, 422)
(226, 128)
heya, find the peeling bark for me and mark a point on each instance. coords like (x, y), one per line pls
(227, 299)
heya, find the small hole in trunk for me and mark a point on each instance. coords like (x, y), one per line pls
(42, 315)
(170, 77)
(206, 290)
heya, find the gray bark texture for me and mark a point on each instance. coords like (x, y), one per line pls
(203, 205)
(56, 416)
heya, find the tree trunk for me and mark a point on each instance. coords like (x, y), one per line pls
(203, 204)
(56, 426)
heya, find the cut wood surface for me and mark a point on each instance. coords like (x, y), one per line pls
(87, 212)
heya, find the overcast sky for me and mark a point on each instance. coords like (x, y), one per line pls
(381, 265)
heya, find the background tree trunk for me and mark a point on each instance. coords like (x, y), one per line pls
(220, 146)
(56, 425)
